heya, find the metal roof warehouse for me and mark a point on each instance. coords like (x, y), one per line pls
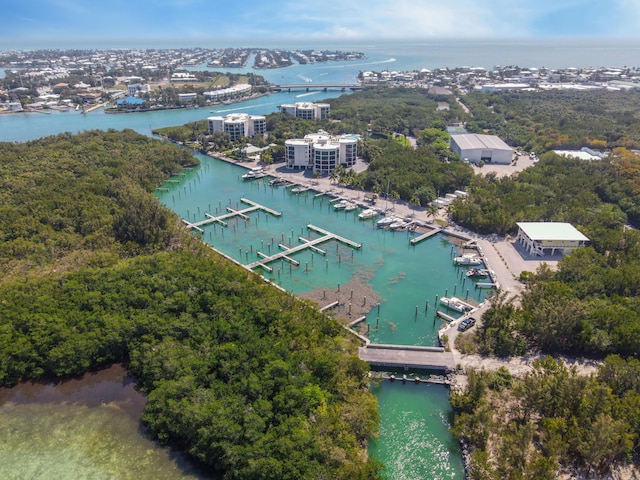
(540, 236)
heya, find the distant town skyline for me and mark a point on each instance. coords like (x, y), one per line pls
(78, 23)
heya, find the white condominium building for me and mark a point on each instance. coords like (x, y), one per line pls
(321, 152)
(238, 125)
(307, 110)
(240, 90)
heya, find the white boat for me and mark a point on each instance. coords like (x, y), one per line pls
(386, 221)
(468, 259)
(299, 189)
(397, 225)
(341, 205)
(454, 303)
(350, 207)
(368, 214)
(477, 272)
(276, 182)
(253, 173)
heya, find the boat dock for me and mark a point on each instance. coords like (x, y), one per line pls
(424, 236)
(306, 243)
(407, 356)
(445, 316)
(437, 379)
(232, 213)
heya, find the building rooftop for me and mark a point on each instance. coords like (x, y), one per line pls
(470, 141)
(539, 231)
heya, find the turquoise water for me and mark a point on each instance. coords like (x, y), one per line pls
(415, 442)
(86, 428)
(406, 278)
(20, 127)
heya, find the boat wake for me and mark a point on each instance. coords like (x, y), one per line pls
(239, 108)
(306, 94)
(377, 62)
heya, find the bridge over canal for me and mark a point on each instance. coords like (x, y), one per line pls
(407, 356)
(316, 86)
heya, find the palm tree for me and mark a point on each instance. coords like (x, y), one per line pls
(415, 199)
(394, 196)
(432, 211)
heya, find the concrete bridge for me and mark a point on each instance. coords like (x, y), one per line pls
(406, 356)
(316, 86)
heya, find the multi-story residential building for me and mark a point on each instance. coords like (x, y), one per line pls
(307, 110)
(238, 125)
(240, 90)
(321, 152)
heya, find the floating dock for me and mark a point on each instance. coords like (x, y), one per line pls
(310, 244)
(253, 206)
(424, 236)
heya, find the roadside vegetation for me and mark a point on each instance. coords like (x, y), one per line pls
(550, 422)
(250, 381)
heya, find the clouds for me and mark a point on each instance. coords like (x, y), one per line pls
(252, 22)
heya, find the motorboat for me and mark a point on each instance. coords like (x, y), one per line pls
(350, 207)
(368, 214)
(276, 182)
(468, 259)
(253, 173)
(341, 205)
(454, 303)
(477, 273)
(386, 221)
(397, 225)
(299, 189)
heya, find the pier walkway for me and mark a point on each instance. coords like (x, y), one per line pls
(400, 356)
(424, 236)
(232, 213)
(311, 244)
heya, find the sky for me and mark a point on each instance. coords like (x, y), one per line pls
(216, 23)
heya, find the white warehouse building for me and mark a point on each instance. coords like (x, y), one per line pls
(307, 110)
(488, 148)
(238, 125)
(321, 152)
(539, 238)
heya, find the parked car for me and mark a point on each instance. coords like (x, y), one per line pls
(466, 324)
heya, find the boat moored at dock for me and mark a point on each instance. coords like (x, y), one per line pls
(254, 173)
(454, 303)
(468, 259)
(477, 273)
(368, 214)
(386, 221)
